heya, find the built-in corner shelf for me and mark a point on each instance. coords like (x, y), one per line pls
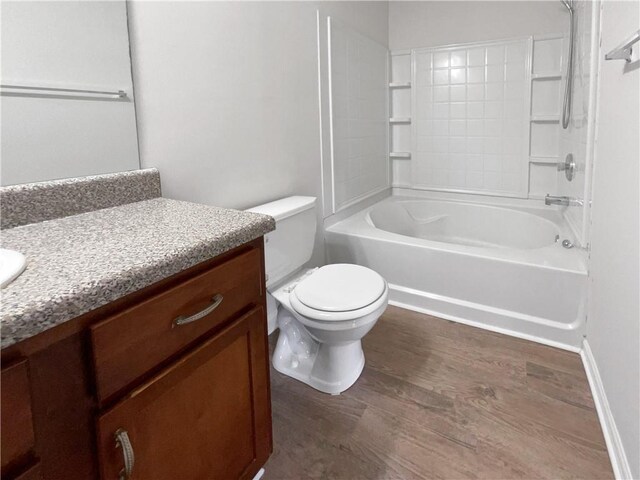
(543, 160)
(400, 155)
(546, 76)
(545, 118)
(400, 120)
(400, 85)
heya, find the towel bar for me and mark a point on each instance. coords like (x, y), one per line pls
(26, 89)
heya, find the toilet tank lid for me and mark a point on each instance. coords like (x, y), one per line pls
(285, 207)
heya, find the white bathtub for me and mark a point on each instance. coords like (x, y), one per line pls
(491, 266)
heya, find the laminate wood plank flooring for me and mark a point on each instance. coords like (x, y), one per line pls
(442, 400)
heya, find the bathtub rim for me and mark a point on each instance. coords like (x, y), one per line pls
(518, 210)
(360, 225)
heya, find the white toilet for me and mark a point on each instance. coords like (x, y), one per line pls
(322, 313)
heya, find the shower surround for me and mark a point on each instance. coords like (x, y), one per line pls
(474, 146)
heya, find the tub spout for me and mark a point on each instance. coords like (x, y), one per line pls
(564, 201)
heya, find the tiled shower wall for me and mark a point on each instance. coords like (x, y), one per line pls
(470, 131)
(359, 113)
(536, 160)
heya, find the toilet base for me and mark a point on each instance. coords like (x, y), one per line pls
(330, 368)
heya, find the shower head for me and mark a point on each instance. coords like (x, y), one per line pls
(568, 4)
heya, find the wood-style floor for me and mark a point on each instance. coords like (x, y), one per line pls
(438, 399)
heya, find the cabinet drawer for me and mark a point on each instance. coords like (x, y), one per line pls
(129, 344)
(17, 423)
(207, 416)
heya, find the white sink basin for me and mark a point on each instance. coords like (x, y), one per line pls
(12, 264)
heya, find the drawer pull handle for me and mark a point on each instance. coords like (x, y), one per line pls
(182, 320)
(122, 441)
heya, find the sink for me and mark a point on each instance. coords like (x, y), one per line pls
(12, 264)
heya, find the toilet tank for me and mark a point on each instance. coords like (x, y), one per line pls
(290, 246)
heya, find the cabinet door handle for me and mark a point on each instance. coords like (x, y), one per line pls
(122, 441)
(182, 320)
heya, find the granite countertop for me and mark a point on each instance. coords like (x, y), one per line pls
(79, 263)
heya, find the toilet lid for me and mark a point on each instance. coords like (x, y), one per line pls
(340, 287)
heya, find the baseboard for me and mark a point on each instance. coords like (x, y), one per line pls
(619, 462)
(495, 320)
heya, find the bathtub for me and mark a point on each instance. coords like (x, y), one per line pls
(497, 267)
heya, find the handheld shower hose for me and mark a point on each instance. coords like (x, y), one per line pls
(566, 106)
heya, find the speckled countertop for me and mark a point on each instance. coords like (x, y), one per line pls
(79, 263)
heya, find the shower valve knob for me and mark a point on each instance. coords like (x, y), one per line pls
(568, 167)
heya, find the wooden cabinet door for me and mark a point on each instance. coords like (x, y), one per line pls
(207, 416)
(18, 439)
(34, 472)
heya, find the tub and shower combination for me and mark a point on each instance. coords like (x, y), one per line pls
(499, 267)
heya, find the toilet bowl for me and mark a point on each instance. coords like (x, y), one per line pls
(323, 315)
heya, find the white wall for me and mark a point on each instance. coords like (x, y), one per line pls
(67, 45)
(426, 24)
(613, 322)
(227, 95)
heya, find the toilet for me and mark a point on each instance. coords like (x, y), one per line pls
(322, 313)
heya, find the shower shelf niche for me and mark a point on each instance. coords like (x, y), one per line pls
(546, 76)
(545, 118)
(400, 94)
(539, 160)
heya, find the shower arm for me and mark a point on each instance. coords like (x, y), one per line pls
(566, 105)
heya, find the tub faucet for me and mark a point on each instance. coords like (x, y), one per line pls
(564, 201)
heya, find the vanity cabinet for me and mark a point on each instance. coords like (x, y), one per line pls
(171, 382)
(18, 439)
(138, 339)
(205, 416)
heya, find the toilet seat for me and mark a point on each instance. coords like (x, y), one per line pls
(339, 292)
